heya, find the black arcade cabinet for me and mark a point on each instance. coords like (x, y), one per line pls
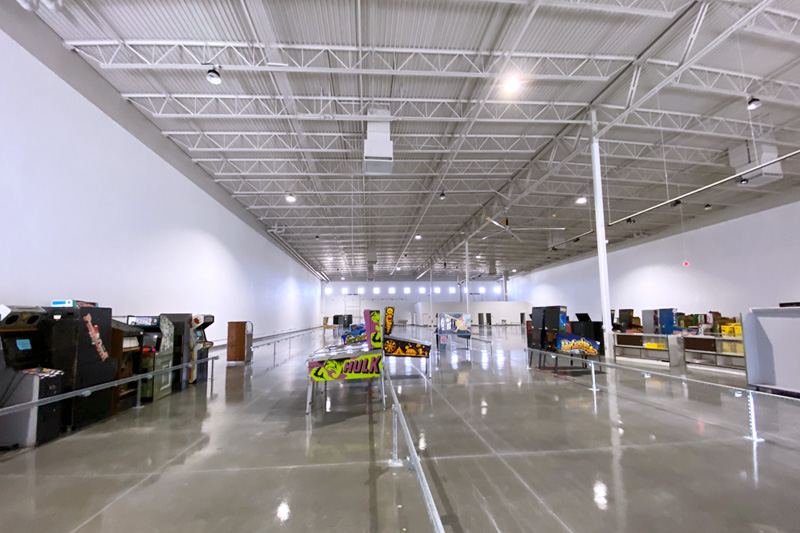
(588, 329)
(78, 345)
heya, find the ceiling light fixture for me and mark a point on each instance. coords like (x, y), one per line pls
(342, 278)
(631, 221)
(744, 181)
(417, 236)
(708, 207)
(582, 200)
(753, 104)
(478, 257)
(676, 203)
(511, 85)
(291, 198)
(442, 196)
(513, 270)
(316, 236)
(213, 77)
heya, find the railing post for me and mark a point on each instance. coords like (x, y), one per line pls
(751, 411)
(139, 393)
(394, 461)
(212, 369)
(594, 383)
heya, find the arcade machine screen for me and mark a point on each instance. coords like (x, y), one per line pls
(143, 321)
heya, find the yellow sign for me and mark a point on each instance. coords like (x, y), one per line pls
(362, 367)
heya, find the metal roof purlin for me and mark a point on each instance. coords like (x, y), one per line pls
(477, 223)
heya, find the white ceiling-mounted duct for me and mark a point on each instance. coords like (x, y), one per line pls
(746, 155)
(372, 259)
(555, 241)
(33, 5)
(378, 146)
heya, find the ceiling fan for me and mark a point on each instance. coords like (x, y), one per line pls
(505, 229)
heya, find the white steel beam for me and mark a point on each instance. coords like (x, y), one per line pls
(618, 117)
(315, 59)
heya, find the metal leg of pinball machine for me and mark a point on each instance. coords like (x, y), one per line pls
(309, 396)
(383, 390)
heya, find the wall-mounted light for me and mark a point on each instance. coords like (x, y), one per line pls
(213, 77)
(291, 198)
(437, 290)
(406, 290)
(452, 290)
(328, 290)
(753, 103)
(392, 290)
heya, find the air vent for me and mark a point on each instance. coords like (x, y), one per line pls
(378, 146)
(746, 155)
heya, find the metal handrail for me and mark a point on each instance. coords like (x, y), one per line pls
(107, 385)
(648, 372)
(283, 336)
(397, 412)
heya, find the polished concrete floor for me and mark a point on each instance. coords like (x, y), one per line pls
(504, 448)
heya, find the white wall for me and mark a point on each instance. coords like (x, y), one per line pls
(334, 303)
(746, 262)
(508, 311)
(89, 212)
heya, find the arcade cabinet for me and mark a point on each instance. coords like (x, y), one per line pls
(176, 336)
(200, 346)
(588, 329)
(153, 358)
(22, 380)
(76, 345)
(126, 349)
(240, 342)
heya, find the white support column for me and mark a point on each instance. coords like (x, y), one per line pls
(430, 291)
(600, 230)
(466, 281)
